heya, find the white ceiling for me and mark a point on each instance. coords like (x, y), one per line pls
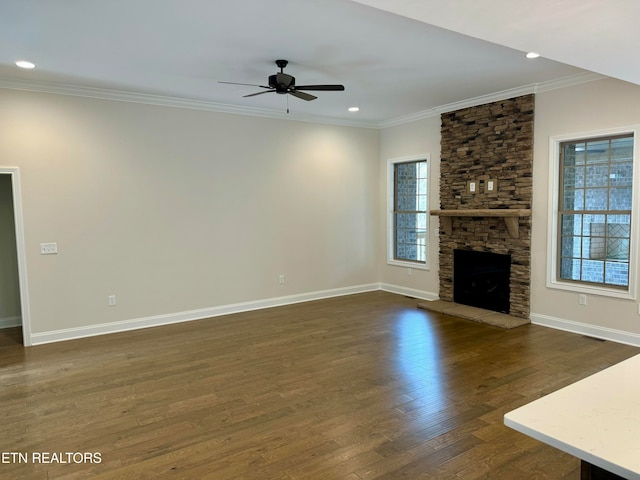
(393, 67)
(601, 36)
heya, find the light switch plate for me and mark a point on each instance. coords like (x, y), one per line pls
(472, 187)
(48, 248)
(491, 185)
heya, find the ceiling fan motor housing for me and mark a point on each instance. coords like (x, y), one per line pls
(281, 82)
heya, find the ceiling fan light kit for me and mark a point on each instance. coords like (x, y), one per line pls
(284, 83)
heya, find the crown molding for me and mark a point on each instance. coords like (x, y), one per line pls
(160, 100)
(563, 82)
(166, 101)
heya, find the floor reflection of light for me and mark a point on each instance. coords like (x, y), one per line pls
(418, 361)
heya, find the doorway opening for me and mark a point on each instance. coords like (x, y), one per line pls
(14, 304)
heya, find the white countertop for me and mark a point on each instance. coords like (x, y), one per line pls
(596, 419)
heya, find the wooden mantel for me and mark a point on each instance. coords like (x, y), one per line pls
(510, 215)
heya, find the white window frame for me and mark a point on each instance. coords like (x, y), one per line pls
(553, 280)
(391, 260)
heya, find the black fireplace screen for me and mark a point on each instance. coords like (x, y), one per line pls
(481, 279)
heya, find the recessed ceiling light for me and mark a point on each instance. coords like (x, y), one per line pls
(354, 109)
(532, 55)
(25, 64)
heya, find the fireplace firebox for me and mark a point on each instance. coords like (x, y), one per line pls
(481, 279)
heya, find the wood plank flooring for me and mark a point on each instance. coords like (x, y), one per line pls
(360, 387)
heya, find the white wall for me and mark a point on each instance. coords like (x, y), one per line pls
(588, 107)
(175, 210)
(407, 140)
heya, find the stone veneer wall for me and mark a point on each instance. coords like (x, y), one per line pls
(492, 141)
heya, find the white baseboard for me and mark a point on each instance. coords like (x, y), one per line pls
(10, 322)
(604, 333)
(409, 292)
(158, 320)
(167, 319)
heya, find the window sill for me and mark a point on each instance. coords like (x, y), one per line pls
(405, 264)
(591, 290)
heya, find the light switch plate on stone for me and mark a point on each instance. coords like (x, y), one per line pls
(491, 186)
(472, 187)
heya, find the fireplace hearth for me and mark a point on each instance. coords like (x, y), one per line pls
(481, 279)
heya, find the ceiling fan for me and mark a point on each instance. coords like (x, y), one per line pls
(284, 83)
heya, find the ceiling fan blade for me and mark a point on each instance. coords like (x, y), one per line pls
(258, 93)
(302, 95)
(326, 88)
(247, 84)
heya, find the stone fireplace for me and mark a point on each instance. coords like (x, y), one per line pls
(486, 191)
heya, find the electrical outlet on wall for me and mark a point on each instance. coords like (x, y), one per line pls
(582, 299)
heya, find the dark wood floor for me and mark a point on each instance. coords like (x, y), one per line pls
(354, 388)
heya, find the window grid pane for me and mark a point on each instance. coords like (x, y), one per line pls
(595, 211)
(410, 211)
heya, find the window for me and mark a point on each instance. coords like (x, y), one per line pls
(408, 222)
(594, 198)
